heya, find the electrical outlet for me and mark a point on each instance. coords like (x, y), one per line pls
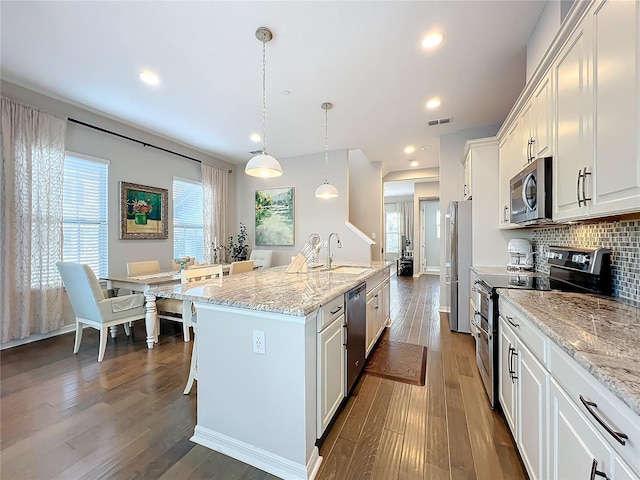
(258, 342)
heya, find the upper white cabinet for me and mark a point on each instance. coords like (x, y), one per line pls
(574, 114)
(615, 184)
(583, 108)
(468, 178)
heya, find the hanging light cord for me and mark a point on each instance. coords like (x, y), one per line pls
(264, 97)
(326, 145)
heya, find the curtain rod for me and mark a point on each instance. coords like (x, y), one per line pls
(144, 144)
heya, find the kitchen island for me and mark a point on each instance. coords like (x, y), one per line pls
(261, 408)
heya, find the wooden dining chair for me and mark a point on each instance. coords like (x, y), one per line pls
(240, 267)
(168, 308)
(92, 306)
(190, 314)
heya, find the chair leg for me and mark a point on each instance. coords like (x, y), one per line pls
(193, 369)
(79, 329)
(127, 329)
(103, 343)
(114, 331)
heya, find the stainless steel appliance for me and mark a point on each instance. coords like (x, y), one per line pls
(356, 329)
(457, 263)
(531, 193)
(584, 270)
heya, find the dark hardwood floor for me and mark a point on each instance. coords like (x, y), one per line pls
(65, 416)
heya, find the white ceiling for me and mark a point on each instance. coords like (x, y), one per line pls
(364, 57)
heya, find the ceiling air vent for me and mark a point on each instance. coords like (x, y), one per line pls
(255, 152)
(440, 121)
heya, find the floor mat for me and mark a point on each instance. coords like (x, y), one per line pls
(399, 361)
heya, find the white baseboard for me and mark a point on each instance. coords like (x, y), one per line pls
(38, 336)
(274, 464)
(445, 310)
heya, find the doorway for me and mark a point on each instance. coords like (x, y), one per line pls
(430, 235)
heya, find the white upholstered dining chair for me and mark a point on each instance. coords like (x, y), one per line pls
(94, 308)
(261, 258)
(240, 267)
(190, 314)
(168, 308)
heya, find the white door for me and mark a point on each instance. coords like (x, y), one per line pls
(430, 235)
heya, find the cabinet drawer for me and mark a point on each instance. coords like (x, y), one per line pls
(330, 312)
(374, 280)
(526, 331)
(611, 410)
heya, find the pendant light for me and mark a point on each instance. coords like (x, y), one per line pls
(326, 190)
(263, 164)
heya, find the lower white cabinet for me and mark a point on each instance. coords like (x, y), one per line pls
(523, 391)
(330, 372)
(543, 393)
(577, 450)
(378, 309)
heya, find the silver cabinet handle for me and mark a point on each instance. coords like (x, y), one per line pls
(578, 188)
(336, 310)
(584, 180)
(510, 320)
(595, 471)
(620, 437)
(505, 209)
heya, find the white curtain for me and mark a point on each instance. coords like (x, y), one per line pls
(30, 220)
(406, 220)
(214, 186)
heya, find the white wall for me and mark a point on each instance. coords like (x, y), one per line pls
(451, 182)
(365, 194)
(312, 215)
(543, 34)
(130, 162)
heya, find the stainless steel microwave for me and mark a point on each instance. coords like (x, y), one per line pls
(531, 193)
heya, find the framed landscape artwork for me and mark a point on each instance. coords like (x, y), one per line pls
(143, 212)
(275, 216)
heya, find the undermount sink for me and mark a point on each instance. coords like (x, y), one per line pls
(349, 270)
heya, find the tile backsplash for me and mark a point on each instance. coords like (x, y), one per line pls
(622, 237)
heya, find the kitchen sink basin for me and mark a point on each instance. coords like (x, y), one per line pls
(349, 269)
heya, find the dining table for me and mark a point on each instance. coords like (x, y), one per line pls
(143, 283)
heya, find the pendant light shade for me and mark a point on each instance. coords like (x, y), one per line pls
(326, 190)
(263, 164)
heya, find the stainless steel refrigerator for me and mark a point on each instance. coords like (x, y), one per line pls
(458, 263)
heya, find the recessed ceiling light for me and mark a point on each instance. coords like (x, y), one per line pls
(409, 149)
(286, 92)
(255, 137)
(413, 163)
(432, 40)
(149, 77)
(433, 103)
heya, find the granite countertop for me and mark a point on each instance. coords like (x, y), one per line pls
(602, 334)
(272, 289)
(494, 270)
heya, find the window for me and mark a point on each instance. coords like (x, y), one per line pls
(438, 223)
(392, 222)
(188, 229)
(84, 212)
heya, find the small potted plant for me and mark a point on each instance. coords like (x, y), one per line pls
(238, 250)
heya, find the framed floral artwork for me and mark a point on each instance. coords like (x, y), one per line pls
(275, 216)
(143, 212)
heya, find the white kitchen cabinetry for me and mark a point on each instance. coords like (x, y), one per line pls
(378, 306)
(616, 169)
(597, 162)
(557, 411)
(510, 163)
(574, 110)
(523, 387)
(536, 123)
(331, 362)
(468, 178)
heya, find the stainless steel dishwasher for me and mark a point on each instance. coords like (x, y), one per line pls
(356, 330)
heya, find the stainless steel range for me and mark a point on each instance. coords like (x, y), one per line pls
(585, 270)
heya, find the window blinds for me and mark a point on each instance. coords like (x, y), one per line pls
(188, 233)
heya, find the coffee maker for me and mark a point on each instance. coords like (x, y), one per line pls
(520, 254)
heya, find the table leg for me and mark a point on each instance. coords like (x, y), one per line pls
(151, 319)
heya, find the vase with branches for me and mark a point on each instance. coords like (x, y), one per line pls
(238, 249)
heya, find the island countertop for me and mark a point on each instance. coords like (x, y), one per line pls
(274, 290)
(602, 334)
